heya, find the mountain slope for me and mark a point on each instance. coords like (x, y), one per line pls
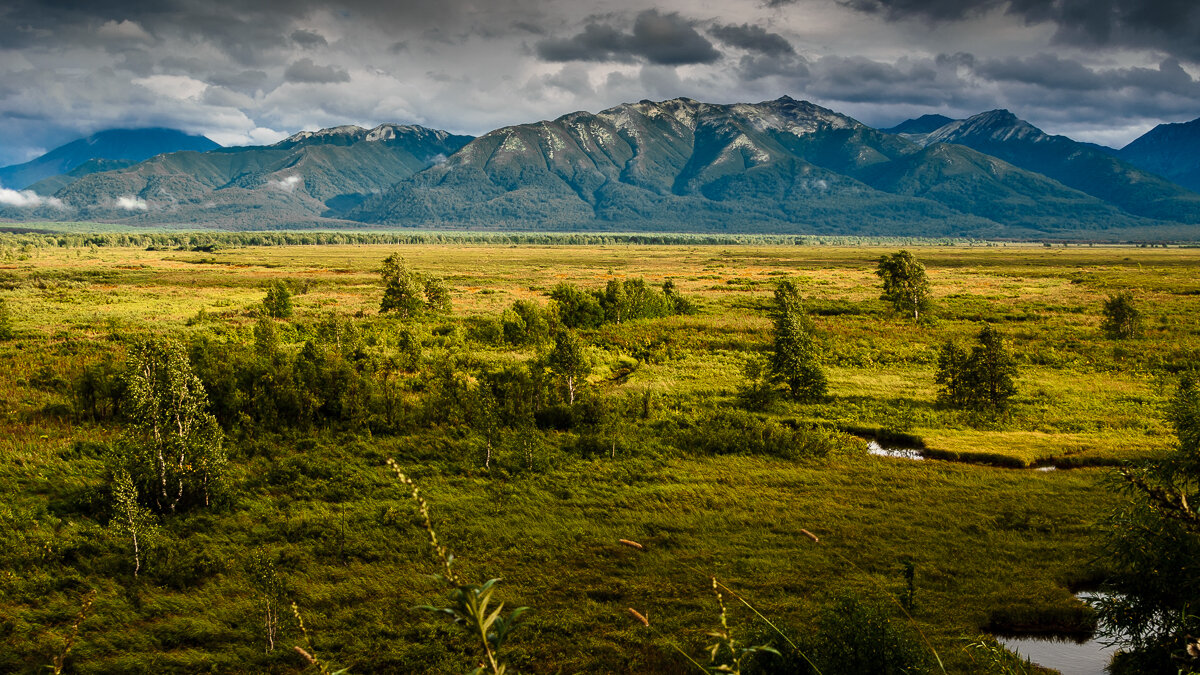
(132, 145)
(779, 165)
(48, 186)
(678, 164)
(1169, 150)
(304, 178)
(1081, 166)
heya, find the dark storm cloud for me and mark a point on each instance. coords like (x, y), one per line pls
(305, 70)
(1170, 26)
(1053, 72)
(753, 39)
(660, 39)
(308, 39)
(219, 67)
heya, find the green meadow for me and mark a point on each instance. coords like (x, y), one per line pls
(643, 454)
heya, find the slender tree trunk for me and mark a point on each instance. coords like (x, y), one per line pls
(137, 551)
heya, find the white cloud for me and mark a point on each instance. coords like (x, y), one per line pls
(132, 203)
(255, 136)
(174, 86)
(285, 184)
(125, 31)
(27, 199)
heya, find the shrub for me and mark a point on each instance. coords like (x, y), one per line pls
(735, 432)
(1122, 321)
(278, 303)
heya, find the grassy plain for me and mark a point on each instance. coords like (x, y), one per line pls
(986, 540)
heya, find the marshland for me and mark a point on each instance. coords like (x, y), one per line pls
(541, 436)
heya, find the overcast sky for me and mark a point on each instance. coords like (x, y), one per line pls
(253, 72)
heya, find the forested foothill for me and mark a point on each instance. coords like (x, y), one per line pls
(224, 455)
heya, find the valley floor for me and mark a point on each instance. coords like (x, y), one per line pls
(992, 541)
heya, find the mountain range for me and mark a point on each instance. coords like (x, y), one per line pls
(126, 146)
(680, 165)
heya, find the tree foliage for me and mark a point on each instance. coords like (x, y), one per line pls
(130, 519)
(569, 360)
(1152, 547)
(979, 380)
(796, 354)
(176, 455)
(1122, 320)
(409, 293)
(278, 302)
(905, 284)
(618, 302)
(526, 323)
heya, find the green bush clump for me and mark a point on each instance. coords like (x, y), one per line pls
(736, 432)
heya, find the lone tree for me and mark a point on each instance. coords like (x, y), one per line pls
(176, 445)
(1122, 321)
(796, 355)
(1152, 547)
(905, 285)
(569, 361)
(410, 293)
(980, 380)
(278, 303)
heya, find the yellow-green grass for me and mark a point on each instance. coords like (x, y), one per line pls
(1090, 386)
(983, 538)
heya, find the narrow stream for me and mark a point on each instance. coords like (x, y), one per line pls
(1065, 655)
(875, 448)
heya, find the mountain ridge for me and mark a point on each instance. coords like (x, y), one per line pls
(113, 144)
(1169, 150)
(783, 165)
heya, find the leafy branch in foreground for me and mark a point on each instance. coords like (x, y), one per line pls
(310, 654)
(724, 655)
(937, 657)
(468, 602)
(61, 660)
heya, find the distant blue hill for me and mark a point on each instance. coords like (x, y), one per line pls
(922, 125)
(124, 145)
(1169, 150)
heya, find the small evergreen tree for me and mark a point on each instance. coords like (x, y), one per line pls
(758, 393)
(615, 302)
(796, 354)
(952, 376)
(1122, 321)
(278, 303)
(905, 284)
(409, 293)
(981, 380)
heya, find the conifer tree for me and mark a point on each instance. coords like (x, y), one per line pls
(796, 354)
